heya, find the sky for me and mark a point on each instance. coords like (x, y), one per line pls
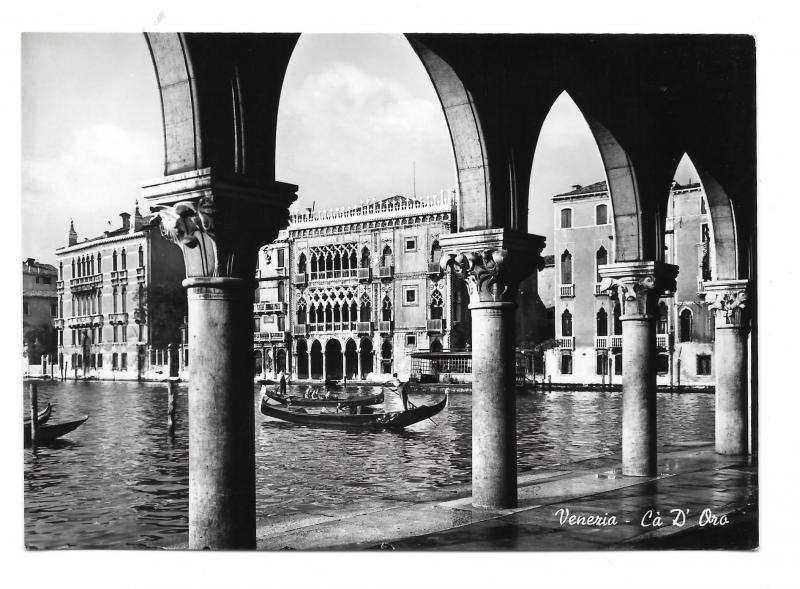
(358, 119)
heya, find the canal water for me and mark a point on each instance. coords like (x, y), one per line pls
(119, 481)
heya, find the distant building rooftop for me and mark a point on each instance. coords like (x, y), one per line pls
(32, 265)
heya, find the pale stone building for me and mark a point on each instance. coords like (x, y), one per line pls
(121, 307)
(354, 291)
(39, 307)
(587, 320)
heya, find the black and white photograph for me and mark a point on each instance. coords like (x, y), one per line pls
(361, 291)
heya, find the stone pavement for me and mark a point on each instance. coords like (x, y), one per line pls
(716, 496)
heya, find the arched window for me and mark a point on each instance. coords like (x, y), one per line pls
(61, 270)
(124, 259)
(313, 263)
(566, 267)
(566, 218)
(617, 319)
(365, 258)
(114, 296)
(366, 308)
(386, 357)
(114, 261)
(436, 252)
(73, 268)
(99, 263)
(141, 257)
(386, 309)
(386, 257)
(602, 260)
(301, 264)
(602, 322)
(302, 312)
(281, 292)
(91, 265)
(320, 314)
(437, 305)
(337, 313)
(353, 260)
(686, 326)
(601, 215)
(566, 324)
(663, 316)
(124, 298)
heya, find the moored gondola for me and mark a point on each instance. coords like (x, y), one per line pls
(42, 417)
(367, 419)
(49, 433)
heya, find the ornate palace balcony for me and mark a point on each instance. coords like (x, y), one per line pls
(364, 327)
(86, 283)
(601, 342)
(269, 336)
(434, 269)
(567, 290)
(300, 279)
(435, 325)
(58, 323)
(141, 274)
(566, 343)
(97, 320)
(300, 330)
(139, 316)
(385, 272)
(365, 274)
(119, 277)
(261, 308)
(348, 273)
(79, 321)
(117, 318)
(663, 341)
(616, 341)
(385, 326)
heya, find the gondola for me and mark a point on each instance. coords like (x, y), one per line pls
(43, 416)
(333, 385)
(366, 420)
(48, 433)
(300, 401)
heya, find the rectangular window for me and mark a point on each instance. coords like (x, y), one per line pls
(124, 361)
(410, 297)
(411, 340)
(281, 323)
(46, 279)
(602, 364)
(411, 244)
(115, 334)
(60, 337)
(566, 363)
(99, 335)
(124, 329)
(257, 324)
(618, 364)
(566, 218)
(281, 258)
(26, 309)
(53, 310)
(99, 360)
(72, 331)
(703, 365)
(662, 363)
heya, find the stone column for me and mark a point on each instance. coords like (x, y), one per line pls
(728, 301)
(308, 358)
(638, 286)
(360, 365)
(324, 364)
(219, 223)
(493, 262)
(294, 368)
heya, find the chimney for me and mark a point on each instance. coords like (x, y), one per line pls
(126, 220)
(72, 236)
(138, 220)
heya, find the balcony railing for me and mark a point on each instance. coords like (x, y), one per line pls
(301, 330)
(59, 285)
(601, 342)
(58, 323)
(567, 290)
(385, 272)
(300, 279)
(364, 327)
(139, 316)
(599, 292)
(435, 325)
(97, 320)
(269, 336)
(86, 282)
(117, 318)
(279, 307)
(385, 326)
(434, 268)
(365, 274)
(334, 274)
(80, 321)
(119, 277)
(140, 274)
(662, 341)
(616, 341)
(566, 343)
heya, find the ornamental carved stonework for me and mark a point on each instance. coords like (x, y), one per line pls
(729, 308)
(638, 295)
(490, 274)
(220, 241)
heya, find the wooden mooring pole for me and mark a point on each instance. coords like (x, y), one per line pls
(172, 386)
(34, 412)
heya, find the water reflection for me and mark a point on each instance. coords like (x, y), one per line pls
(121, 481)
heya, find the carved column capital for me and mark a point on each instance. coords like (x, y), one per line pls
(727, 299)
(492, 262)
(638, 285)
(219, 222)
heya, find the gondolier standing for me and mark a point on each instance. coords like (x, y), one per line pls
(401, 389)
(282, 383)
